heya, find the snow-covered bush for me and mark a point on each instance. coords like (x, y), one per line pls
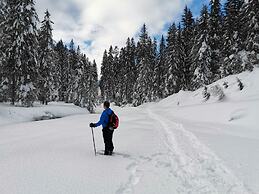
(240, 84)
(217, 91)
(206, 94)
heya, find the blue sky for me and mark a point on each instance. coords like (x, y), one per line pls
(97, 24)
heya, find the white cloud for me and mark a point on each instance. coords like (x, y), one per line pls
(108, 22)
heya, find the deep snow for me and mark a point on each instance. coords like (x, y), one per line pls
(181, 144)
(14, 114)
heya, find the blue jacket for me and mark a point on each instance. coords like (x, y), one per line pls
(104, 119)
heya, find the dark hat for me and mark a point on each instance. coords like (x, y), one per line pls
(106, 104)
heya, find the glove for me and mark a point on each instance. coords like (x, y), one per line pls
(92, 125)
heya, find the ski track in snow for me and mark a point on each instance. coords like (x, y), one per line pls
(197, 168)
(134, 178)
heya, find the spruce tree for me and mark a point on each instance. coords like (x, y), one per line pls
(131, 70)
(180, 61)
(72, 71)
(121, 85)
(61, 80)
(21, 65)
(232, 62)
(160, 72)
(172, 70)
(231, 26)
(251, 24)
(46, 60)
(108, 74)
(215, 32)
(77, 74)
(83, 84)
(143, 88)
(92, 83)
(187, 40)
(201, 52)
(104, 76)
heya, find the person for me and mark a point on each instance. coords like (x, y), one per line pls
(107, 132)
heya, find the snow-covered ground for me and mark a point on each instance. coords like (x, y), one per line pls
(13, 114)
(181, 144)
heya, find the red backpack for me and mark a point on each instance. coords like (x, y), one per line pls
(113, 121)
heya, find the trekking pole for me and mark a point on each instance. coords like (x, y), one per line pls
(93, 141)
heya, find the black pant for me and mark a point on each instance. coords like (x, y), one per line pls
(107, 137)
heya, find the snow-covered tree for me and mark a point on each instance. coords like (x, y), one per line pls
(232, 62)
(104, 76)
(72, 71)
(250, 20)
(187, 40)
(172, 69)
(215, 32)
(46, 60)
(93, 87)
(61, 80)
(143, 88)
(160, 71)
(131, 70)
(202, 52)
(20, 34)
(180, 60)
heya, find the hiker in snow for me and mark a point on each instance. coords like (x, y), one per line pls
(107, 131)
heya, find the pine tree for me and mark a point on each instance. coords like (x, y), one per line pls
(108, 77)
(231, 26)
(73, 65)
(180, 61)
(187, 36)
(46, 60)
(215, 33)
(143, 89)
(131, 70)
(172, 70)
(160, 72)
(83, 84)
(76, 78)
(61, 72)
(104, 73)
(92, 87)
(121, 81)
(250, 19)
(201, 52)
(232, 63)
(21, 55)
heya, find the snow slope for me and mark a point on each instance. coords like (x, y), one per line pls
(230, 127)
(178, 145)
